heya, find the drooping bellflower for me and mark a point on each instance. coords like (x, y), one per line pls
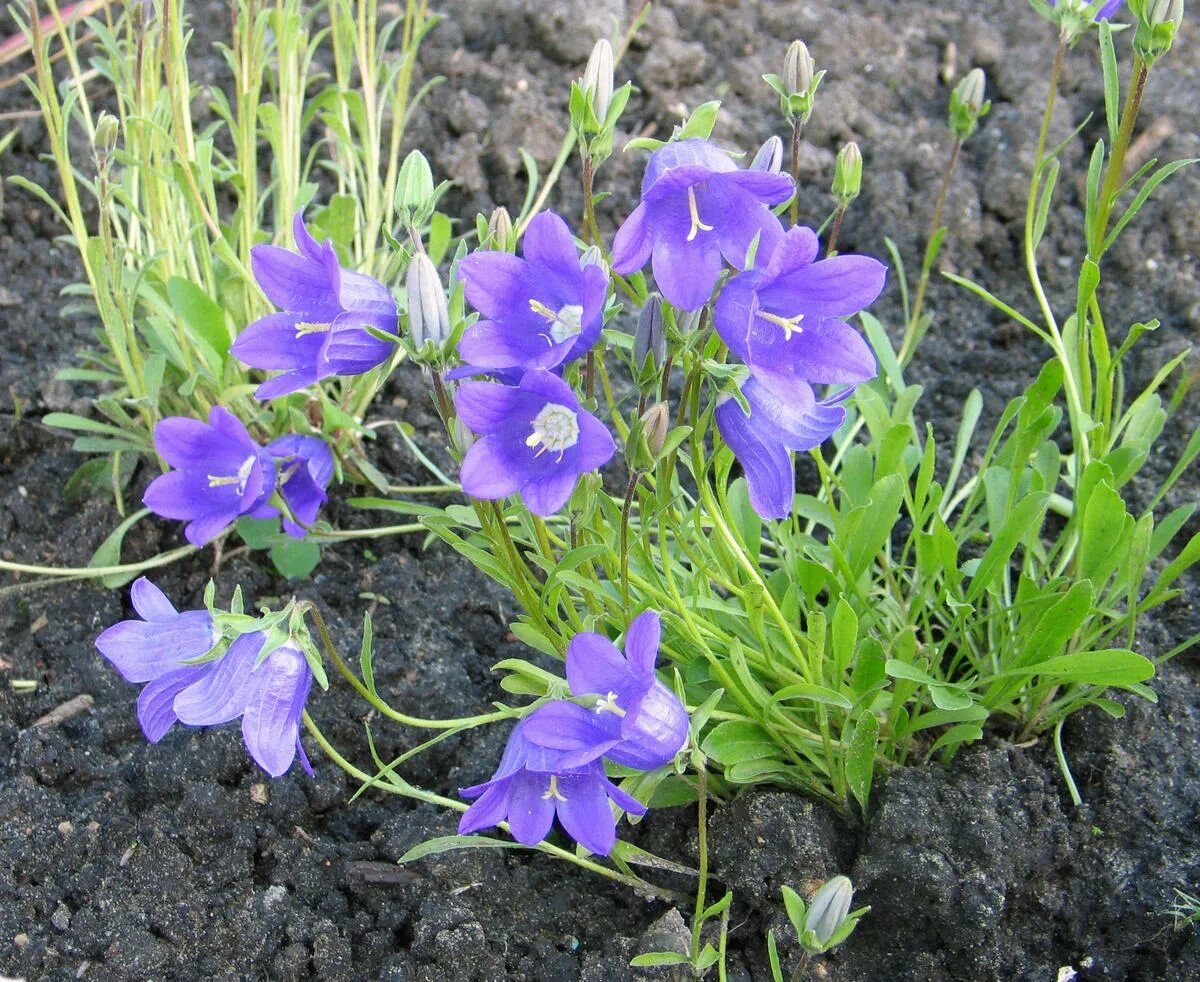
(219, 474)
(532, 785)
(540, 311)
(636, 720)
(153, 650)
(1105, 12)
(305, 470)
(535, 440)
(696, 208)
(321, 330)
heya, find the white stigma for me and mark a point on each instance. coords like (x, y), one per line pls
(790, 325)
(240, 478)
(305, 327)
(554, 428)
(552, 791)
(566, 322)
(698, 226)
(608, 704)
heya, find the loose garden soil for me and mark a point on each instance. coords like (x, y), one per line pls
(183, 861)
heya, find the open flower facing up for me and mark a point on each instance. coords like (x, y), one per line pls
(764, 440)
(268, 695)
(636, 721)
(219, 474)
(533, 784)
(153, 650)
(305, 470)
(321, 330)
(697, 207)
(536, 440)
(783, 319)
(539, 311)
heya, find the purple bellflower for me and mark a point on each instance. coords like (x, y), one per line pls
(1105, 12)
(637, 721)
(305, 470)
(540, 311)
(153, 650)
(763, 441)
(696, 208)
(268, 695)
(536, 440)
(326, 309)
(533, 784)
(783, 319)
(219, 474)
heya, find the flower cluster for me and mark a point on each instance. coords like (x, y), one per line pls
(167, 650)
(784, 317)
(220, 474)
(553, 763)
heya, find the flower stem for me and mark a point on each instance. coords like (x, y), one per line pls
(797, 129)
(625, 509)
(831, 244)
(1116, 161)
(702, 846)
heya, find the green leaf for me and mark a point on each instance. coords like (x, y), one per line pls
(109, 551)
(1113, 667)
(1025, 518)
(449, 843)
(700, 123)
(738, 740)
(793, 903)
(295, 558)
(366, 653)
(654, 959)
(1103, 542)
(773, 956)
(204, 319)
(859, 765)
(258, 533)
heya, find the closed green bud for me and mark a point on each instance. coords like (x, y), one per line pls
(798, 68)
(593, 256)
(967, 104)
(828, 909)
(797, 86)
(414, 190)
(650, 339)
(500, 230)
(598, 80)
(647, 437)
(428, 316)
(769, 157)
(847, 174)
(108, 128)
(1158, 21)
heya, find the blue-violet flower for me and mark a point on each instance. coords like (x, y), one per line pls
(536, 440)
(220, 473)
(306, 468)
(326, 309)
(697, 207)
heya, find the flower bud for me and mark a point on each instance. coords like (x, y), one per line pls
(414, 189)
(688, 321)
(847, 174)
(650, 340)
(598, 80)
(108, 128)
(593, 256)
(829, 907)
(798, 68)
(647, 437)
(500, 230)
(1158, 20)
(769, 157)
(967, 104)
(428, 316)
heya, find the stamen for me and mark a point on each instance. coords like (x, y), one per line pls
(566, 322)
(697, 225)
(552, 791)
(240, 478)
(305, 327)
(554, 428)
(608, 704)
(790, 325)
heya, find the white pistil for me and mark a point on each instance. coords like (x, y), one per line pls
(608, 704)
(566, 322)
(698, 226)
(790, 325)
(552, 791)
(240, 478)
(305, 327)
(554, 428)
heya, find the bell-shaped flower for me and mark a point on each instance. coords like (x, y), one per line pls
(764, 440)
(532, 785)
(1104, 13)
(305, 470)
(269, 695)
(321, 330)
(219, 474)
(636, 721)
(535, 440)
(540, 311)
(154, 649)
(784, 318)
(696, 208)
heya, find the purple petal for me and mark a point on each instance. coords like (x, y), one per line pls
(823, 350)
(798, 248)
(150, 602)
(652, 733)
(155, 705)
(548, 243)
(686, 272)
(287, 383)
(547, 495)
(490, 810)
(497, 283)
(222, 694)
(763, 186)
(738, 220)
(304, 241)
(488, 471)
(594, 665)
(145, 650)
(768, 467)
(184, 443)
(836, 287)
(685, 153)
(799, 425)
(596, 446)
(493, 344)
(550, 388)
(271, 343)
(204, 528)
(360, 293)
(624, 801)
(585, 812)
(530, 810)
(272, 716)
(642, 641)
(581, 735)
(734, 311)
(485, 407)
(294, 282)
(633, 242)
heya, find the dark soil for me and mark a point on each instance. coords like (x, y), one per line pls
(182, 861)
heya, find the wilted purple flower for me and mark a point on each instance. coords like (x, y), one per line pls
(763, 440)
(540, 311)
(532, 785)
(783, 319)
(305, 470)
(268, 695)
(697, 207)
(637, 721)
(1105, 12)
(536, 440)
(153, 650)
(220, 473)
(326, 309)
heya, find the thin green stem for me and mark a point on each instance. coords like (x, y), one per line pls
(1116, 161)
(702, 846)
